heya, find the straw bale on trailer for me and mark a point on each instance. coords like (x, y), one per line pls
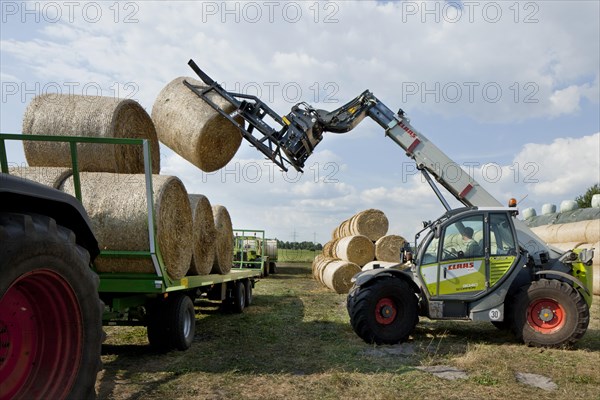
(203, 227)
(192, 128)
(49, 176)
(116, 204)
(93, 116)
(224, 241)
(337, 275)
(357, 249)
(387, 248)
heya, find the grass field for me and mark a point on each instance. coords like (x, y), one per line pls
(295, 342)
(294, 256)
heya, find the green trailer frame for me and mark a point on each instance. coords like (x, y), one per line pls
(123, 291)
(250, 234)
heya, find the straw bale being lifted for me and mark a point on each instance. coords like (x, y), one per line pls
(387, 248)
(337, 275)
(356, 249)
(116, 204)
(203, 228)
(49, 176)
(93, 116)
(224, 241)
(192, 128)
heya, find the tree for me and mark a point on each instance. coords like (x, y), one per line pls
(585, 200)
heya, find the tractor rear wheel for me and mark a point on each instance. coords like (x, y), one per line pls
(550, 313)
(50, 313)
(384, 312)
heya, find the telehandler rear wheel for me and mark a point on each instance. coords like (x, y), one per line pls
(550, 313)
(50, 313)
(384, 312)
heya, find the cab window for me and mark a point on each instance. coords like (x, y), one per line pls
(463, 238)
(502, 241)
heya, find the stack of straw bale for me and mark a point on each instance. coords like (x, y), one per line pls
(355, 243)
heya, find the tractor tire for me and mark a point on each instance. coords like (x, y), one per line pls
(550, 313)
(238, 302)
(385, 312)
(50, 312)
(249, 295)
(172, 324)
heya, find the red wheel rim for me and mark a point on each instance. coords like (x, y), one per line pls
(385, 311)
(546, 315)
(41, 336)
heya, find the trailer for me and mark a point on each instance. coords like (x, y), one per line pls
(252, 250)
(67, 298)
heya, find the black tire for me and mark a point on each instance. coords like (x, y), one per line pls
(385, 312)
(249, 295)
(239, 297)
(172, 324)
(272, 268)
(550, 313)
(46, 277)
(266, 269)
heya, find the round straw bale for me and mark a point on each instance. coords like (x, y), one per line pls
(192, 128)
(547, 232)
(357, 249)
(224, 241)
(49, 176)
(380, 264)
(203, 244)
(387, 248)
(329, 248)
(337, 275)
(322, 266)
(116, 204)
(370, 223)
(315, 262)
(93, 116)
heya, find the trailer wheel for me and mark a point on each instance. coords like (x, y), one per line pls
(50, 313)
(239, 297)
(384, 312)
(265, 270)
(172, 324)
(550, 313)
(272, 268)
(248, 288)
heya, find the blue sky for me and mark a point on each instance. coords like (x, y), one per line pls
(513, 84)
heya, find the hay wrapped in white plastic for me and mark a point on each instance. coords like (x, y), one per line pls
(116, 205)
(192, 128)
(224, 241)
(568, 205)
(548, 209)
(92, 116)
(529, 213)
(204, 233)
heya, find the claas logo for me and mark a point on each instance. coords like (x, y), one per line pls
(462, 265)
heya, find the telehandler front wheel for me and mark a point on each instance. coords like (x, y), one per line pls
(384, 312)
(550, 313)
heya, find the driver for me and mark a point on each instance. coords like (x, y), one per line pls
(470, 245)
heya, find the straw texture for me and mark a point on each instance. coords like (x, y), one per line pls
(387, 248)
(93, 116)
(192, 128)
(224, 241)
(204, 235)
(49, 176)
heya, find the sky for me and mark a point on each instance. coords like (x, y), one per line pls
(509, 90)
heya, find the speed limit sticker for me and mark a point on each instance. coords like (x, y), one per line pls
(495, 314)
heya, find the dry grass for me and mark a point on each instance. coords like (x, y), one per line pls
(295, 343)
